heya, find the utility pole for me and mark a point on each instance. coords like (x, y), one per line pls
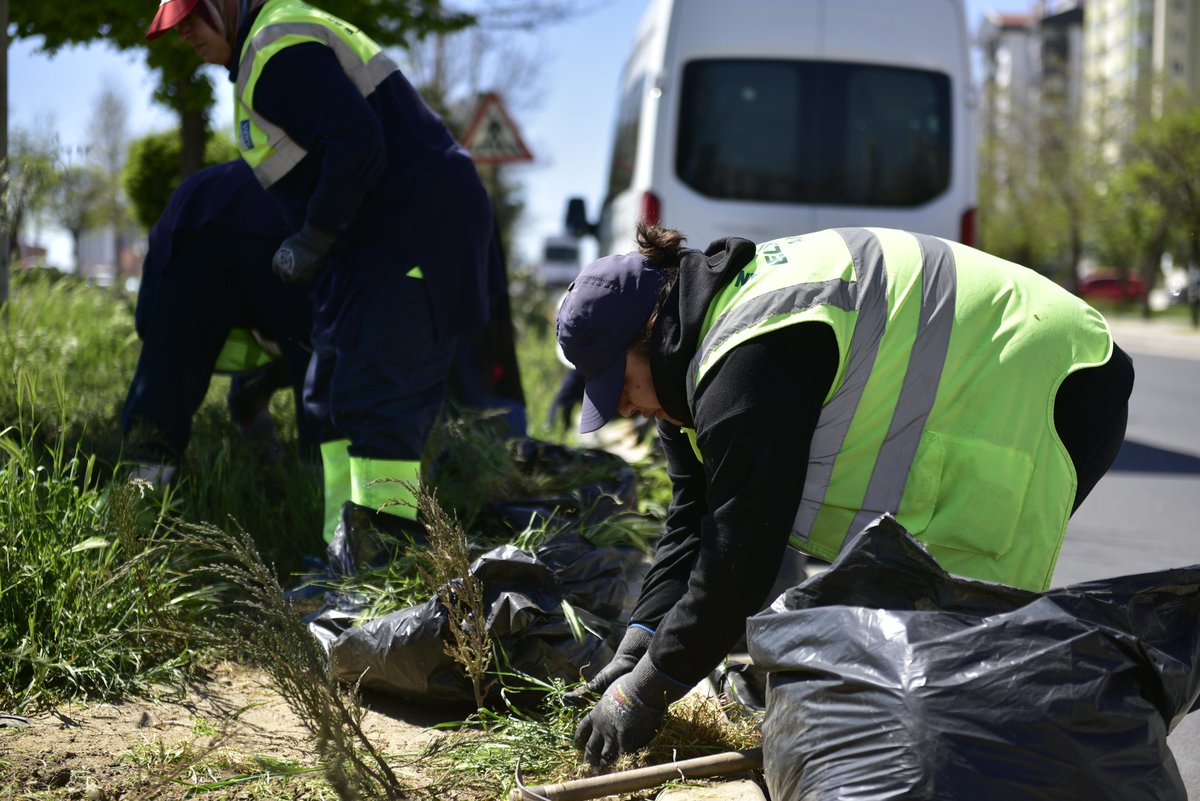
(4, 237)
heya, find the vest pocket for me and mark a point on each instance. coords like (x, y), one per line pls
(981, 492)
(919, 500)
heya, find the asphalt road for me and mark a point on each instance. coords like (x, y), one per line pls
(1145, 514)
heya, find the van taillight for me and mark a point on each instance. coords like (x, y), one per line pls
(966, 230)
(651, 208)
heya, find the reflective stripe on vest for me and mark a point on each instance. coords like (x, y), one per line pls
(873, 449)
(919, 388)
(867, 295)
(269, 151)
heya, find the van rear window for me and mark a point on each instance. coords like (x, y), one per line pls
(814, 132)
(561, 253)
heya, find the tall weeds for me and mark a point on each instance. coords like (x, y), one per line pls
(67, 354)
(260, 624)
(65, 339)
(445, 568)
(91, 602)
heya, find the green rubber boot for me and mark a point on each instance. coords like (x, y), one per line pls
(335, 462)
(385, 485)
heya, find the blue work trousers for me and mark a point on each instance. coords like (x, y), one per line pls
(383, 389)
(216, 279)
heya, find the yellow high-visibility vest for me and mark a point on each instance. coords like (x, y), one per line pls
(269, 151)
(942, 409)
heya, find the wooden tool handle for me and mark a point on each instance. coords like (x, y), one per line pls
(628, 781)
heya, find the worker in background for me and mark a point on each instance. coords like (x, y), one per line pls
(806, 386)
(209, 302)
(387, 220)
(485, 373)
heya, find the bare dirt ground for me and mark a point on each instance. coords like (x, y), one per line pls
(232, 724)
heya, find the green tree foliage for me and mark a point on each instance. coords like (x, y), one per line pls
(1169, 150)
(1150, 202)
(27, 179)
(1014, 222)
(1068, 193)
(152, 170)
(1128, 224)
(76, 201)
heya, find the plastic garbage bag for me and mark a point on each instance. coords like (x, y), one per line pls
(595, 579)
(613, 488)
(403, 653)
(889, 678)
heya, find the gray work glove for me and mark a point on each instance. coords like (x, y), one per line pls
(632, 648)
(628, 714)
(302, 255)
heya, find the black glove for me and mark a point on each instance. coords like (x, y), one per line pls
(628, 715)
(632, 648)
(302, 255)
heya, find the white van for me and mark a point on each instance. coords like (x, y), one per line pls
(560, 260)
(768, 118)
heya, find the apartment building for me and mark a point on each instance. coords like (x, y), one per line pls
(1032, 86)
(1097, 68)
(1175, 50)
(1118, 73)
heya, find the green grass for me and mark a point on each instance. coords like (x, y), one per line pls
(71, 344)
(67, 354)
(91, 605)
(188, 770)
(479, 757)
(67, 351)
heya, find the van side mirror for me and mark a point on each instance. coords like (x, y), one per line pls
(576, 223)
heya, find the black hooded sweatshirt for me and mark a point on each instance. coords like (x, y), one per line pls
(754, 415)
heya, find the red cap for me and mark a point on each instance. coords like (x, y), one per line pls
(170, 13)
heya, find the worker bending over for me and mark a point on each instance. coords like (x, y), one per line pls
(805, 386)
(387, 218)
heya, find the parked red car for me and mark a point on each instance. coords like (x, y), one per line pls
(1112, 288)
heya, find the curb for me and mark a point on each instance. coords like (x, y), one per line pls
(1173, 338)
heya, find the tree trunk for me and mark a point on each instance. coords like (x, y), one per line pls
(1076, 256)
(193, 123)
(76, 240)
(1150, 267)
(4, 237)
(193, 131)
(1193, 289)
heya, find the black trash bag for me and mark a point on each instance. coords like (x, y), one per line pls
(615, 491)
(403, 653)
(333, 620)
(595, 579)
(524, 599)
(890, 678)
(365, 539)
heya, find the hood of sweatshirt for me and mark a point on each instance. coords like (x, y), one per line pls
(676, 335)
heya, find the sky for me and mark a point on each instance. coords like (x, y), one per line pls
(568, 130)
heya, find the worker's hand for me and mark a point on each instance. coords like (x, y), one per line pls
(633, 646)
(302, 255)
(628, 714)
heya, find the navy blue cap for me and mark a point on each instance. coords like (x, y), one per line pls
(605, 310)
